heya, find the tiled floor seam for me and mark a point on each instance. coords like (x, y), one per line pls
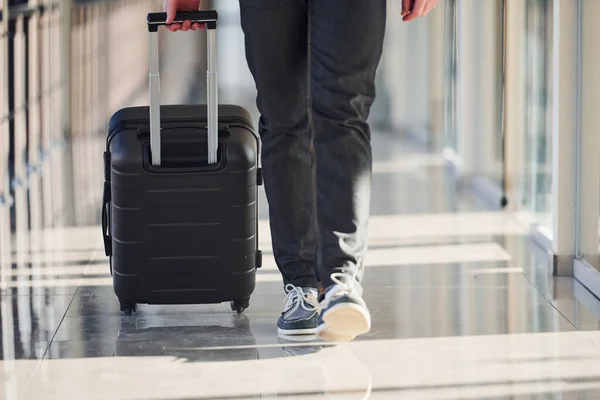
(37, 369)
(538, 291)
(536, 288)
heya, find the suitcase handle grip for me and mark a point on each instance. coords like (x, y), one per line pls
(212, 100)
(203, 17)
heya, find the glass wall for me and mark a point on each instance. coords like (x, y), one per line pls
(536, 181)
(473, 96)
(451, 74)
(587, 186)
(589, 144)
(490, 69)
(498, 103)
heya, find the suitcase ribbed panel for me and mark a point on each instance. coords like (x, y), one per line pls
(183, 233)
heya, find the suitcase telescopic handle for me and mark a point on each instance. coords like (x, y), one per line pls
(212, 100)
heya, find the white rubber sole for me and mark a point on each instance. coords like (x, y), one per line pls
(294, 339)
(296, 332)
(344, 322)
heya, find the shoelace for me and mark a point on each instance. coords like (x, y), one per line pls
(344, 282)
(304, 299)
(340, 279)
(342, 287)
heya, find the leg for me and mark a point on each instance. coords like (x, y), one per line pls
(276, 35)
(346, 46)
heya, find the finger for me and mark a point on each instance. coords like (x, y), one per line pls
(171, 11)
(430, 6)
(419, 7)
(187, 24)
(196, 26)
(406, 6)
(174, 27)
(410, 16)
(415, 12)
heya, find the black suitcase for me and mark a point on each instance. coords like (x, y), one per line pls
(179, 212)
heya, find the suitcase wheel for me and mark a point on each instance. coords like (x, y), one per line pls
(128, 307)
(239, 306)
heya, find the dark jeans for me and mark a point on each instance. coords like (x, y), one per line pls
(314, 64)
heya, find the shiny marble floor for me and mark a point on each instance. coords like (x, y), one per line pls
(463, 308)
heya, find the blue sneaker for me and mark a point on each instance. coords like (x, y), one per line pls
(344, 314)
(301, 312)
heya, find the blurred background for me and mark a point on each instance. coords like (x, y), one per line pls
(68, 65)
(501, 95)
(476, 81)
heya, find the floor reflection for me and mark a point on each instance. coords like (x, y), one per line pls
(209, 343)
(463, 307)
(471, 367)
